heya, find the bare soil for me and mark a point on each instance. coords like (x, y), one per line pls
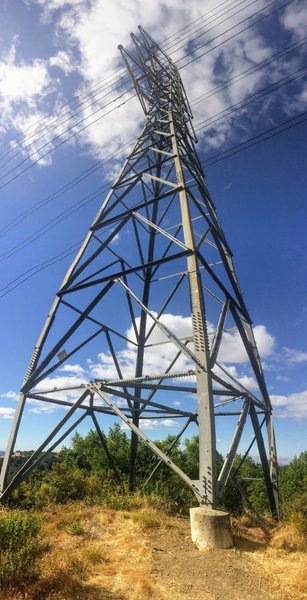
(146, 555)
(210, 575)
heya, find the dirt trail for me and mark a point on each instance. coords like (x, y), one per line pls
(161, 563)
(212, 575)
(145, 555)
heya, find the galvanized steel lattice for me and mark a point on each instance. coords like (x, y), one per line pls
(177, 268)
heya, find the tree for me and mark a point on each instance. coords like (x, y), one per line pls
(293, 482)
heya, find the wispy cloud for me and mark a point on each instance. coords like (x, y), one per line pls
(293, 355)
(294, 18)
(160, 352)
(10, 395)
(76, 369)
(291, 406)
(153, 424)
(79, 46)
(6, 413)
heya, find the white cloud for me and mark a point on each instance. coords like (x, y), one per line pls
(77, 369)
(24, 89)
(56, 383)
(294, 18)
(116, 239)
(81, 47)
(246, 380)
(169, 423)
(64, 61)
(153, 424)
(291, 406)
(264, 340)
(79, 25)
(232, 348)
(150, 424)
(99, 56)
(50, 383)
(160, 352)
(294, 356)
(21, 81)
(120, 402)
(10, 395)
(49, 7)
(6, 413)
(158, 355)
(41, 408)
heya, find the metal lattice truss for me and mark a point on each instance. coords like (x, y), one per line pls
(153, 289)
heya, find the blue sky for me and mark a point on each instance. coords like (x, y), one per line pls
(53, 50)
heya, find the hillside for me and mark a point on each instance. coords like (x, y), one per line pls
(89, 553)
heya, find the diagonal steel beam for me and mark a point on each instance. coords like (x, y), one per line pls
(227, 465)
(94, 388)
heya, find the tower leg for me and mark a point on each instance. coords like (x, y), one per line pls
(133, 458)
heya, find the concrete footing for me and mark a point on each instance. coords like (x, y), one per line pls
(210, 528)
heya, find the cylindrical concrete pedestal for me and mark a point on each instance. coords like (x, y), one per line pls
(210, 528)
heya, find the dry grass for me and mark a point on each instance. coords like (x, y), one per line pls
(146, 520)
(288, 537)
(109, 560)
(281, 556)
(112, 558)
(127, 571)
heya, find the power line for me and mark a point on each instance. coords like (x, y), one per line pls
(98, 110)
(114, 76)
(258, 95)
(53, 223)
(53, 118)
(57, 146)
(254, 140)
(264, 16)
(200, 18)
(218, 116)
(67, 212)
(249, 71)
(220, 23)
(100, 163)
(68, 186)
(241, 106)
(8, 288)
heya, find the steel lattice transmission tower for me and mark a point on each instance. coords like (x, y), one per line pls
(154, 290)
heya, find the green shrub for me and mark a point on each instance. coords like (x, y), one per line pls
(146, 520)
(76, 528)
(19, 545)
(61, 485)
(298, 515)
(293, 484)
(159, 503)
(119, 501)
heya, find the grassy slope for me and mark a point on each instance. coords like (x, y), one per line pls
(89, 553)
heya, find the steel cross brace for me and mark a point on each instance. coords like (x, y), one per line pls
(161, 177)
(200, 493)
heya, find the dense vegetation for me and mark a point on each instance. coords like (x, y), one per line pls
(18, 546)
(82, 472)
